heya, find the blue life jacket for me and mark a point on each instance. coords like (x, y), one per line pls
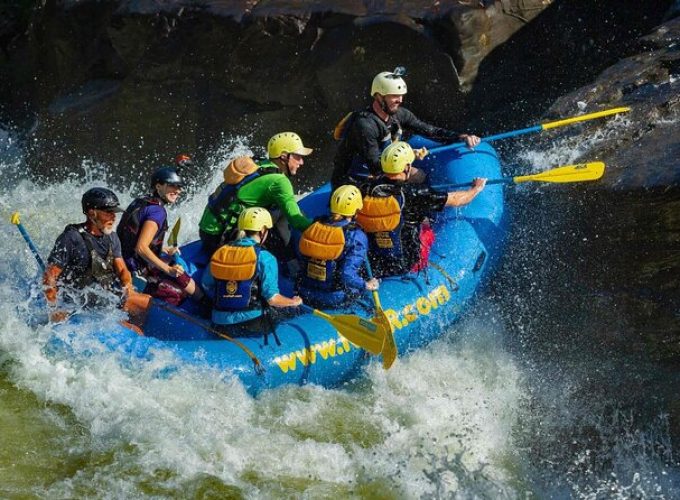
(322, 250)
(237, 284)
(382, 220)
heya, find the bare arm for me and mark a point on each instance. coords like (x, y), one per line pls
(123, 274)
(143, 249)
(279, 300)
(460, 198)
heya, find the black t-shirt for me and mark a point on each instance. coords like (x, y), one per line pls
(72, 255)
(367, 133)
(420, 201)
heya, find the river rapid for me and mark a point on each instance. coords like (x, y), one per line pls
(509, 403)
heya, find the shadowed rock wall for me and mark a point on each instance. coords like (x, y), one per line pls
(132, 83)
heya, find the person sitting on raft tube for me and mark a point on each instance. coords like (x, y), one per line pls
(365, 134)
(257, 183)
(242, 279)
(142, 231)
(395, 213)
(333, 253)
(88, 255)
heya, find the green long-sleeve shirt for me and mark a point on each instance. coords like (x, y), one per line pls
(274, 190)
(269, 191)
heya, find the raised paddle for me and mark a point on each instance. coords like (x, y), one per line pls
(570, 173)
(365, 333)
(538, 128)
(17, 222)
(389, 349)
(174, 233)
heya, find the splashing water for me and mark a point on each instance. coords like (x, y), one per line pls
(127, 431)
(457, 419)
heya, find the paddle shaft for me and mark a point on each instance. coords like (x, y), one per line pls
(376, 297)
(538, 128)
(568, 173)
(316, 312)
(389, 348)
(29, 242)
(446, 187)
(259, 368)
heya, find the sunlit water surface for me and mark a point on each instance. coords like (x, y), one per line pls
(466, 417)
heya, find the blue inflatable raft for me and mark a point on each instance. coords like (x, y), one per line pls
(469, 241)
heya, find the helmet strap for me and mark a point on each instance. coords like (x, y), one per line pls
(379, 107)
(157, 194)
(284, 163)
(91, 224)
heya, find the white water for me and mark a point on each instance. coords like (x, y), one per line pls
(443, 422)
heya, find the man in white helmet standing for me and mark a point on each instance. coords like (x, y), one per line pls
(365, 134)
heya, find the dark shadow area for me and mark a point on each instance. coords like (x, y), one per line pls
(562, 49)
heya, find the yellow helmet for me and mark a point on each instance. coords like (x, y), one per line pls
(388, 82)
(255, 219)
(396, 157)
(286, 142)
(346, 200)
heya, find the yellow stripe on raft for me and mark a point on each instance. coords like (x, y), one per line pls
(328, 350)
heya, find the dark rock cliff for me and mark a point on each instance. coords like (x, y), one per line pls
(133, 82)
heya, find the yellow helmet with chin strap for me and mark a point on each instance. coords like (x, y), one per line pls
(255, 219)
(396, 157)
(346, 200)
(388, 82)
(286, 142)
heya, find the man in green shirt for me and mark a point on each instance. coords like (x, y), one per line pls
(262, 183)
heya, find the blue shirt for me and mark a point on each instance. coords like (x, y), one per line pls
(350, 265)
(268, 271)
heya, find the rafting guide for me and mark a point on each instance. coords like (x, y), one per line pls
(364, 134)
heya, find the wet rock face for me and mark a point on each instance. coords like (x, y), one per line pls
(132, 83)
(646, 152)
(633, 222)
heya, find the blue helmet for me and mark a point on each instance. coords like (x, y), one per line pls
(166, 175)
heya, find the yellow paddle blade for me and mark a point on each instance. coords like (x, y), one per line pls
(15, 219)
(389, 349)
(583, 118)
(172, 239)
(570, 173)
(365, 333)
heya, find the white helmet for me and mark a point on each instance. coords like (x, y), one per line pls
(388, 82)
